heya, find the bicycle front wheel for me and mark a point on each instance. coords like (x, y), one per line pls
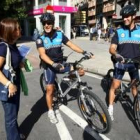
(95, 112)
(137, 109)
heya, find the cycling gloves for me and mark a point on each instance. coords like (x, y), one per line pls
(87, 55)
(119, 58)
(57, 66)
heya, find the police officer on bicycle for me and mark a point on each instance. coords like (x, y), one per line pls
(49, 46)
(125, 44)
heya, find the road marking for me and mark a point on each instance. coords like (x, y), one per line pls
(82, 123)
(61, 127)
(94, 75)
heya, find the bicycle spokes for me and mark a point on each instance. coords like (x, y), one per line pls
(94, 111)
(104, 117)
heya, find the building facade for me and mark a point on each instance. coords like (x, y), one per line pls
(92, 13)
(120, 4)
(81, 16)
(62, 13)
(107, 12)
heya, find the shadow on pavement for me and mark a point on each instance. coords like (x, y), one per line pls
(128, 108)
(87, 136)
(36, 111)
(106, 83)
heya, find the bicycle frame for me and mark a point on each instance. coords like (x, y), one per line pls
(77, 82)
(124, 89)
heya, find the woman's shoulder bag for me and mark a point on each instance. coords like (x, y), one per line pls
(9, 73)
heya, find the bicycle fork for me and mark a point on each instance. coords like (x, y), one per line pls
(84, 106)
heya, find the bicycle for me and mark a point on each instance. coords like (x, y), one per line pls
(91, 106)
(124, 88)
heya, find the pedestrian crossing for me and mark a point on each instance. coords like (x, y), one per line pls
(64, 132)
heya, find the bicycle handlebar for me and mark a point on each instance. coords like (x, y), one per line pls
(81, 60)
(130, 60)
(75, 64)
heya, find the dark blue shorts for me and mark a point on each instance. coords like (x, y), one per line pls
(50, 73)
(120, 69)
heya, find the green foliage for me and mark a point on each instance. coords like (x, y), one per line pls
(12, 8)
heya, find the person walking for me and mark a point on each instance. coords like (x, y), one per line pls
(10, 32)
(110, 33)
(99, 33)
(35, 34)
(125, 44)
(50, 51)
(74, 32)
(91, 33)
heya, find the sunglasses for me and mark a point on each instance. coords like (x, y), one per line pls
(48, 23)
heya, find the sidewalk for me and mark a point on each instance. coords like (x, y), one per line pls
(100, 65)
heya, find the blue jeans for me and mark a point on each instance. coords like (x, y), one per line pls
(11, 108)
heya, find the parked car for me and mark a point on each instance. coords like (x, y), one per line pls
(81, 30)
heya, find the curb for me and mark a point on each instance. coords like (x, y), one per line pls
(102, 73)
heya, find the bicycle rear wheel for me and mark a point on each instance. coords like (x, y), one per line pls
(97, 117)
(137, 109)
(42, 83)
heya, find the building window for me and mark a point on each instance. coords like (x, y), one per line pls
(63, 2)
(43, 1)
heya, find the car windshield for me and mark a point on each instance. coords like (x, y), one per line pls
(83, 27)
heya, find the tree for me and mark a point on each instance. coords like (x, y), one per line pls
(12, 8)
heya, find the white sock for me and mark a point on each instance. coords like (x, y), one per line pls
(50, 111)
(110, 107)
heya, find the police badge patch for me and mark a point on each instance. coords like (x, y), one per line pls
(122, 35)
(38, 41)
(45, 41)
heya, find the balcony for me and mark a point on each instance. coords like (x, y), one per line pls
(91, 4)
(108, 8)
(91, 13)
(93, 21)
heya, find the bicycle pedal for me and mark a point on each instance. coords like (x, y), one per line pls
(63, 101)
(55, 99)
(125, 97)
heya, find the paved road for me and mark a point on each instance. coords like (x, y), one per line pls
(35, 125)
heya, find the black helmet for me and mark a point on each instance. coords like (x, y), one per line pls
(47, 17)
(128, 10)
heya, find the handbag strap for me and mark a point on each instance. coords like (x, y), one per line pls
(8, 65)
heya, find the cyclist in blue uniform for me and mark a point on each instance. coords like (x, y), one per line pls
(49, 46)
(125, 44)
